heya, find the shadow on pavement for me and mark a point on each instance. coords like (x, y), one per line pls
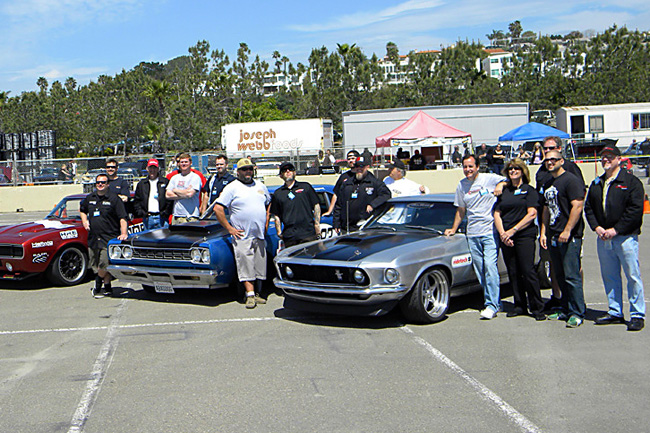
(206, 298)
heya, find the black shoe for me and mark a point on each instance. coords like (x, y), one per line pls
(608, 319)
(97, 290)
(539, 317)
(108, 290)
(552, 304)
(516, 312)
(636, 324)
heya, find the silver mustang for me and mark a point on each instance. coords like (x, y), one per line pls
(400, 256)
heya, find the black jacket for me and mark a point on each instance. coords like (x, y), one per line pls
(354, 197)
(624, 204)
(141, 198)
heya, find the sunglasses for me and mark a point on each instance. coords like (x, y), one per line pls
(553, 160)
(514, 168)
(550, 148)
(101, 182)
(111, 167)
(246, 169)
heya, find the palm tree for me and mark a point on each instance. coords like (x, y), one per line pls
(159, 91)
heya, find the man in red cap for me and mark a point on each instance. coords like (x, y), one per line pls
(614, 210)
(150, 202)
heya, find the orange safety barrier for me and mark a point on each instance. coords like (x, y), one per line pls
(646, 205)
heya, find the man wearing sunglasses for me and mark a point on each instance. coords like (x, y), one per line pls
(104, 217)
(614, 210)
(116, 184)
(561, 233)
(248, 203)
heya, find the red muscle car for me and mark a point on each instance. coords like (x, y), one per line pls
(56, 245)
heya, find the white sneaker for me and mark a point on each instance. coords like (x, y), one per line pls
(488, 313)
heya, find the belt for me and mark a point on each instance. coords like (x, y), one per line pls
(153, 213)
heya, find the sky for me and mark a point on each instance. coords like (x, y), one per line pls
(57, 39)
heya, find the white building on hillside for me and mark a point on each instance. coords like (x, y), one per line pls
(495, 63)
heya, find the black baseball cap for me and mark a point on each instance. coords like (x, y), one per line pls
(361, 162)
(611, 149)
(287, 166)
(397, 163)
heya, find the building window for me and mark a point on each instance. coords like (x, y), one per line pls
(641, 121)
(596, 124)
(494, 60)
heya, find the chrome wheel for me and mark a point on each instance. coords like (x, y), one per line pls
(428, 300)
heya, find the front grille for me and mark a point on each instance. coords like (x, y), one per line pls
(161, 254)
(322, 274)
(11, 251)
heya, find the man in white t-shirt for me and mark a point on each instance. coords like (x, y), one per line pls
(184, 188)
(398, 184)
(248, 203)
(475, 196)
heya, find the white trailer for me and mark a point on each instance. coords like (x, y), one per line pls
(279, 139)
(622, 122)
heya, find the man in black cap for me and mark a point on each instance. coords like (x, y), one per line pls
(351, 156)
(614, 210)
(295, 208)
(359, 196)
(397, 182)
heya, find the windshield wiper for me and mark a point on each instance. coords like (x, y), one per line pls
(380, 227)
(429, 229)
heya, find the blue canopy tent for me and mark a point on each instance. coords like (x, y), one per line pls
(532, 131)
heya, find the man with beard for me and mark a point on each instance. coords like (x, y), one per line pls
(296, 209)
(216, 183)
(344, 177)
(248, 203)
(150, 202)
(561, 233)
(359, 196)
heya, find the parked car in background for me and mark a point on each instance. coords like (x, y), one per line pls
(47, 175)
(399, 258)
(57, 245)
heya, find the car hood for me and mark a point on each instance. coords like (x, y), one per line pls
(359, 245)
(19, 233)
(179, 236)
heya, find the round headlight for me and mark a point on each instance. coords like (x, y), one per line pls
(359, 277)
(196, 254)
(127, 252)
(205, 256)
(116, 252)
(392, 276)
(9, 267)
(289, 272)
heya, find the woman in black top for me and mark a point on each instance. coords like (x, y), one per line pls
(514, 216)
(498, 158)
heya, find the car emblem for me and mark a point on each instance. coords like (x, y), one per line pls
(357, 253)
(339, 275)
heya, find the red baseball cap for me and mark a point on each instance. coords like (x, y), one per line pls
(151, 162)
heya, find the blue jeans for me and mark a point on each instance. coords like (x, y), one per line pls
(153, 222)
(621, 251)
(565, 259)
(484, 253)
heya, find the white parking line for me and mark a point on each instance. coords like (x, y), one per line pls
(100, 367)
(513, 415)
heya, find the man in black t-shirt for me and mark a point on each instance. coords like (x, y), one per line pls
(416, 162)
(104, 217)
(561, 233)
(116, 184)
(351, 157)
(296, 209)
(216, 183)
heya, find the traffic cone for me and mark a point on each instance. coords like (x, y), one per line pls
(646, 205)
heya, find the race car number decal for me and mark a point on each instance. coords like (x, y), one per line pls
(459, 261)
(40, 257)
(42, 244)
(69, 234)
(135, 228)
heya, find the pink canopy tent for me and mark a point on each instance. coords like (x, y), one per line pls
(421, 125)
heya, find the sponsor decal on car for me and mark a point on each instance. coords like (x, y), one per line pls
(42, 244)
(69, 234)
(460, 261)
(40, 257)
(135, 228)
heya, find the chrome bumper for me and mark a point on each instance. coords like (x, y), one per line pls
(337, 294)
(179, 278)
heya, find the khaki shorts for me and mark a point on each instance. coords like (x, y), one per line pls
(98, 258)
(181, 220)
(250, 256)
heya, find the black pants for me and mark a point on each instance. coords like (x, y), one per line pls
(293, 241)
(520, 261)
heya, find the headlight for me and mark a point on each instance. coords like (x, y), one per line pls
(115, 252)
(196, 255)
(205, 256)
(289, 272)
(359, 277)
(391, 275)
(9, 267)
(127, 252)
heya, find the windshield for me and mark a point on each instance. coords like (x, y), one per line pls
(68, 208)
(436, 216)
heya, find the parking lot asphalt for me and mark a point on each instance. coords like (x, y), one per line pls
(200, 362)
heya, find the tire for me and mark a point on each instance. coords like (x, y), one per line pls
(148, 289)
(428, 300)
(68, 268)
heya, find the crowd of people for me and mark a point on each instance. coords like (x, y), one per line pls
(503, 211)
